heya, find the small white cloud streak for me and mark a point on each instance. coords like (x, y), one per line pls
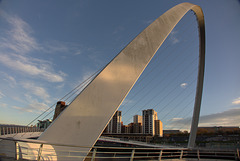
(148, 21)
(1, 95)
(33, 107)
(29, 68)
(19, 40)
(61, 47)
(184, 85)
(225, 118)
(22, 109)
(36, 90)
(118, 29)
(78, 52)
(236, 101)
(173, 37)
(3, 105)
(19, 36)
(9, 79)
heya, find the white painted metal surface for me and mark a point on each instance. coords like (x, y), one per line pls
(83, 121)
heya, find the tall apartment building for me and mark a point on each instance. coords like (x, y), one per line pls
(114, 125)
(137, 119)
(148, 119)
(158, 128)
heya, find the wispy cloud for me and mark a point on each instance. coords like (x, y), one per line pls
(225, 118)
(28, 67)
(36, 90)
(9, 79)
(236, 101)
(19, 37)
(118, 29)
(22, 109)
(3, 105)
(16, 43)
(34, 107)
(84, 80)
(173, 37)
(1, 94)
(53, 46)
(183, 85)
(148, 21)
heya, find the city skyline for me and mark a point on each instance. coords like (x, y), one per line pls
(148, 123)
(47, 49)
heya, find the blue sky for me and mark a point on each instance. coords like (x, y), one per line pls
(47, 48)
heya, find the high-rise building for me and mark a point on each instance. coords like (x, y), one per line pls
(148, 119)
(158, 128)
(114, 125)
(137, 119)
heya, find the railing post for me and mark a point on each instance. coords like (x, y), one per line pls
(198, 154)
(238, 154)
(160, 156)
(3, 130)
(132, 156)
(94, 154)
(16, 151)
(181, 154)
(39, 152)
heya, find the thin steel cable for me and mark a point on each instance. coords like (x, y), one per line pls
(157, 56)
(161, 89)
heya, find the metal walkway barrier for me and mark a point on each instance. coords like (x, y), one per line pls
(27, 149)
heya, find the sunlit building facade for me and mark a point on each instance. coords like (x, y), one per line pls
(114, 125)
(148, 119)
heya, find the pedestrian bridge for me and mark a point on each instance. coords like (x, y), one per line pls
(74, 133)
(29, 149)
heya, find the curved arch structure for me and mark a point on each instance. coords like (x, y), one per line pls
(86, 117)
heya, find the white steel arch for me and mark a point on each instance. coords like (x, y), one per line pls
(83, 121)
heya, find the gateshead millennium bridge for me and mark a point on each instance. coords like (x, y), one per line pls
(89, 113)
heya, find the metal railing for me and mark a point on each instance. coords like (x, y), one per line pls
(38, 150)
(11, 129)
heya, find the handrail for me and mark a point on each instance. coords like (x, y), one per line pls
(54, 144)
(98, 152)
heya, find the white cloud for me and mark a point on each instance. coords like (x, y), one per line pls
(85, 80)
(236, 101)
(16, 43)
(38, 106)
(173, 37)
(27, 66)
(36, 90)
(78, 52)
(225, 118)
(126, 101)
(33, 107)
(22, 109)
(53, 46)
(148, 21)
(3, 105)
(118, 29)
(9, 79)
(19, 37)
(1, 94)
(184, 85)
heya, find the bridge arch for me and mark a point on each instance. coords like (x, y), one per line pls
(86, 117)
